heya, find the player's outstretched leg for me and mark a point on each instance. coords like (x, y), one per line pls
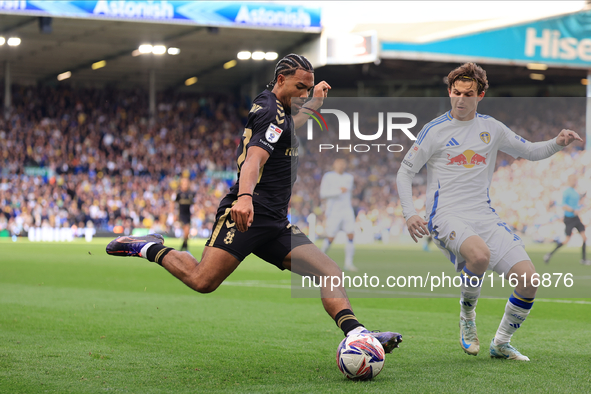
(133, 246)
(310, 261)
(204, 277)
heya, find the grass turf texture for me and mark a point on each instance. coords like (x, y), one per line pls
(74, 322)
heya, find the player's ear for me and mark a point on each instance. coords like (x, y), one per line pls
(280, 79)
(481, 95)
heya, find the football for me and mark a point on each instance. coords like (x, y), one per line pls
(360, 357)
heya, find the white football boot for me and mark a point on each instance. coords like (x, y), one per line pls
(505, 350)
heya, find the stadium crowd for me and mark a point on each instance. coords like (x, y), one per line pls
(72, 157)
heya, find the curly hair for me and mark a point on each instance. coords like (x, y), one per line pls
(469, 71)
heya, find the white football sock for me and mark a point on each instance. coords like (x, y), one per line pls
(470, 294)
(349, 253)
(357, 330)
(512, 319)
(144, 251)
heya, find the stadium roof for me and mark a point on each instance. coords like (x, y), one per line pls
(75, 44)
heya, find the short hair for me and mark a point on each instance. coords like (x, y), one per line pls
(469, 71)
(289, 65)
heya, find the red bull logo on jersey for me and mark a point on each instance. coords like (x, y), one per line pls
(468, 159)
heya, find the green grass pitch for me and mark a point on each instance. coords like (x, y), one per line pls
(74, 320)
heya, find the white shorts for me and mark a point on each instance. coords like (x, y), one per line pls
(449, 232)
(340, 220)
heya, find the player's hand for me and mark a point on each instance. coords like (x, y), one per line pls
(242, 213)
(417, 227)
(566, 137)
(318, 95)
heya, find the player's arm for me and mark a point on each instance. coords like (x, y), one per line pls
(517, 146)
(417, 226)
(243, 211)
(415, 159)
(568, 209)
(320, 92)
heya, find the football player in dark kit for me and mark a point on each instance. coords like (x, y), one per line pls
(252, 218)
(184, 199)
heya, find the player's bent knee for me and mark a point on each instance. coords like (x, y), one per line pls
(202, 284)
(479, 261)
(204, 287)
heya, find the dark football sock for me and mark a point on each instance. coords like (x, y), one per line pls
(347, 321)
(584, 250)
(558, 246)
(157, 252)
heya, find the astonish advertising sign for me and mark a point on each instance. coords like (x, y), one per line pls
(209, 13)
(561, 41)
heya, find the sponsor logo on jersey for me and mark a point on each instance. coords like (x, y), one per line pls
(407, 163)
(468, 159)
(485, 137)
(273, 133)
(262, 141)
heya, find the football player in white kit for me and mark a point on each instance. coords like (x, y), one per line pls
(460, 150)
(335, 188)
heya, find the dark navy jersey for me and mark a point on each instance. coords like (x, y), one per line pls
(270, 127)
(185, 200)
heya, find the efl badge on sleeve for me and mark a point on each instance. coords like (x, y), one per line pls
(412, 151)
(485, 137)
(273, 133)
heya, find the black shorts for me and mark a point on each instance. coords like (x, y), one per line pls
(185, 219)
(269, 238)
(571, 223)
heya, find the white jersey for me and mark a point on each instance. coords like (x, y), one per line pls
(330, 189)
(460, 158)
